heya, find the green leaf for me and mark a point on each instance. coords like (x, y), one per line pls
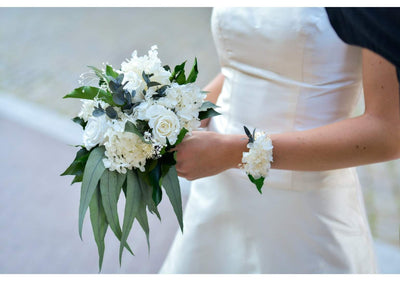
(143, 221)
(258, 182)
(130, 127)
(171, 185)
(78, 165)
(120, 181)
(193, 73)
(111, 113)
(155, 181)
(99, 223)
(178, 71)
(152, 84)
(77, 178)
(147, 191)
(80, 121)
(181, 79)
(99, 73)
(132, 204)
(208, 114)
(110, 72)
(89, 93)
(108, 185)
(93, 170)
(181, 135)
(206, 105)
(109, 189)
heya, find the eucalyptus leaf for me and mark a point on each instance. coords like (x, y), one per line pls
(133, 196)
(152, 84)
(147, 191)
(119, 98)
(98, 111)
(99, 223)
(93, 170)
(109, 188)
(155, 181)
(146, 77)
(130, 127)
(171, 185)
(142, 217)
(108, 185)
(80, 121)
(111, 113)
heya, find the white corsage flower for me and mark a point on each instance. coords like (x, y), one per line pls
(257, 161)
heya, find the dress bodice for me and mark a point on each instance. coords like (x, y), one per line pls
(291, 74)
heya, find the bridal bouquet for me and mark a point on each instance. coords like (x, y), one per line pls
(132, 118)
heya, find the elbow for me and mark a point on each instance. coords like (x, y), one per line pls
(391, 149)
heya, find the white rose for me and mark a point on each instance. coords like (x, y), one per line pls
(165, 124)
(95, 131)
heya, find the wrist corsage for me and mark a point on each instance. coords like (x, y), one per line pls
(257, 161)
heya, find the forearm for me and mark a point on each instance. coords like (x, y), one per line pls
(352, 142)
(214, 88)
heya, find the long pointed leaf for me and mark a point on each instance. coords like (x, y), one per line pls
(108, 184)
(142, 213)
(99, 223)
(171, 185)
(144, 223)
(93, 170)
(108, 188)
(133, 198)
(147, 193)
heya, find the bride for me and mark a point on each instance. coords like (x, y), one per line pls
(285, 71)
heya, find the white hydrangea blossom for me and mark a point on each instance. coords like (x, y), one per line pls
(186, 101)
(125, 150)
(257, 161)
(150, 64)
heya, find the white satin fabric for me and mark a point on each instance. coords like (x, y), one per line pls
(285, 70)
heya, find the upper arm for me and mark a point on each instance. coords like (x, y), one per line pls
(381, 88)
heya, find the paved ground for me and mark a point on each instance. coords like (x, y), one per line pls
(42, 53)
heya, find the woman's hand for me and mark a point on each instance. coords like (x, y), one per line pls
(206, 153)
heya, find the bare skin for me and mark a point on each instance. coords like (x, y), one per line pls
(372, 137)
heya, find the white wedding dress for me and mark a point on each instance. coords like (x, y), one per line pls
(285, 70)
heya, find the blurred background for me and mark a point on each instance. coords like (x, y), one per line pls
(42, 53)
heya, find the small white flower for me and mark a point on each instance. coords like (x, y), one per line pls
(95, 130)
(150, 64)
